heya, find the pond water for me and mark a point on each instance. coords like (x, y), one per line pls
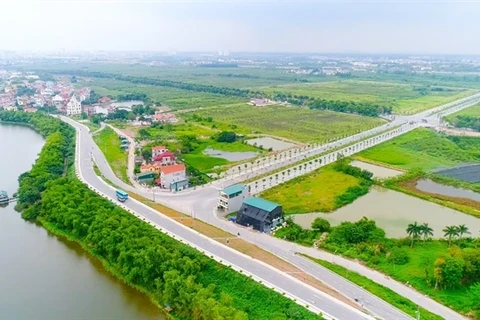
(268, 142)
(42, 276)
(393, 211)
(378, 171)
(230, 156)
(428, 185)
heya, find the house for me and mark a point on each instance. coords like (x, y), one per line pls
(104, 99)
(164, 118)
(58, 101)
(10, 108)
(146, 177)
(171, 174)
(74, 107)
(29, 110)
(158, 150)
(259, 102)
(155, 168)
(138, 160)
(260, 214)
(165, 159)
(231, 198)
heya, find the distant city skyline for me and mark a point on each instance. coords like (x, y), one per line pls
(350, 27)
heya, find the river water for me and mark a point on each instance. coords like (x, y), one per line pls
(43, 277)
(393, 211)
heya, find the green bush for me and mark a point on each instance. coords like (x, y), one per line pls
(399, 256)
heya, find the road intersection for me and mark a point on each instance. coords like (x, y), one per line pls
(201, 201)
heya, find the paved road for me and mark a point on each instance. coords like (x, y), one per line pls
(316, 299)
(200, 202)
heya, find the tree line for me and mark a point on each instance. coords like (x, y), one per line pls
(160, 82)
(171, 273)
(361, 108)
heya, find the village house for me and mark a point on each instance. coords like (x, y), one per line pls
(29, 110)
(158, 150)
(173, 177)
(231, 198)
(74, 107)
(164, 118)
(165, 159)
(10, 108)
(104, 99)
(259, 102)
(154, 167)
(260, 214)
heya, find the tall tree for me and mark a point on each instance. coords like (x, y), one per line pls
(450, 232)
(462, 229)
(413, 231)
(426, 231)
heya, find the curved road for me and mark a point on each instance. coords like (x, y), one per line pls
(199, 203)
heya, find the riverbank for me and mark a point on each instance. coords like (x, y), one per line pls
(172, 273)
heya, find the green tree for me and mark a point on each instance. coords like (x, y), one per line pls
(426, 231)
(449, 271)
(321, 225)
(462, 229)
(450, 232)
(413, 231)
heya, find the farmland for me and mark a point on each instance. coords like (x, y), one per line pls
(172, 97)
(316, 192)
(424, 149)
(466, 118)
(404, 98)
(300, 124)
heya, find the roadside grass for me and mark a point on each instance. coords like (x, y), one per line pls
(108, 141)
(424, 149)
(378, 290)
(315, 192)
(294, 123)
(242, 246)
(466, 118)
(404, 98)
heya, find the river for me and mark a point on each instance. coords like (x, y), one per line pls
(43, 277)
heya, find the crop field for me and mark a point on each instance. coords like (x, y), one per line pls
(404, 98)
(315, 192)
(299, 124)
(425, 149)
(172, 97)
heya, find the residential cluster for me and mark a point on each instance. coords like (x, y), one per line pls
(25, 90)
(163, 170)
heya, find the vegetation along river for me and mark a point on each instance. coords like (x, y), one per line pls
(42, 277)
(393, 210)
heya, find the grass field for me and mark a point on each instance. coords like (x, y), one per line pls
(173, 136)
(108, 141)
(466, 118)
(315, 192)
(404, 98)
(293, 123)
(425, 149)
(380, 291)
(172, 97)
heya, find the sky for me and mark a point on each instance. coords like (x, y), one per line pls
(388, 26)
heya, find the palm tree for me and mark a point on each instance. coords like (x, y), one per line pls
(450, 232)
(462, 229)
(426, 231)
(413, 230)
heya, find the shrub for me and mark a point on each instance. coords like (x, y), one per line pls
(399, 256)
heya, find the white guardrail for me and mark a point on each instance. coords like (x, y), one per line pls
(267, 284)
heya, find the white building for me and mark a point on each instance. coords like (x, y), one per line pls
(74, 107)
(231, 198)
(172, 174)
